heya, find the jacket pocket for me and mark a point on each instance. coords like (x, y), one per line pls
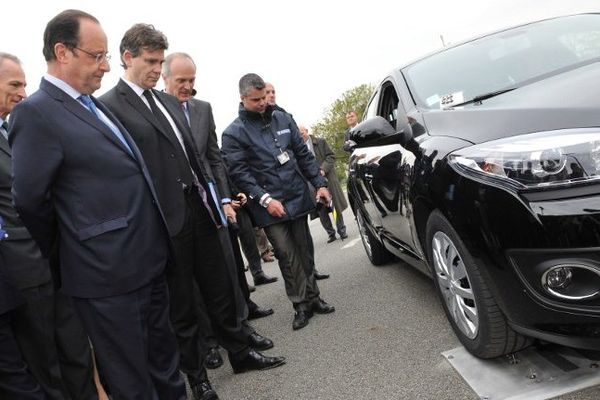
(102, 227)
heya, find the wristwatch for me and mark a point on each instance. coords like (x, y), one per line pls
(267, 201)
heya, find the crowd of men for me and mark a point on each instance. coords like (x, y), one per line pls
(124, 220)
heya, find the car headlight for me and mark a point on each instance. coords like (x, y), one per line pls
(534, 160)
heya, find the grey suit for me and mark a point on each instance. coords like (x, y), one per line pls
(203, 128)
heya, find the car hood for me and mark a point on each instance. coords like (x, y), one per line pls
(567, 100)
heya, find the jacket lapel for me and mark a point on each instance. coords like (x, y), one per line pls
(4, 146)
(79, 110)
(138, 104)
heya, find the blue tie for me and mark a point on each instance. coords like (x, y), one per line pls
(87, 101)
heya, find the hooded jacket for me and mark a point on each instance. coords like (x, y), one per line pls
(251, 145)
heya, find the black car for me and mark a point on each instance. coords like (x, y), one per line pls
(480, 166)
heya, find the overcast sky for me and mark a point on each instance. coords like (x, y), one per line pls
(312, 51)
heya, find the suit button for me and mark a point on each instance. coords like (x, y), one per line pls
(172, 155)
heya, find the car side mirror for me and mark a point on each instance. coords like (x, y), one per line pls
(371, 130)
(377, 131)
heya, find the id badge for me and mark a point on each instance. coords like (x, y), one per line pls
(283, 157)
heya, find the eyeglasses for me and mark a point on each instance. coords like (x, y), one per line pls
(99, 57)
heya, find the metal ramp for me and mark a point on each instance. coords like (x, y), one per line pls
(536, 373)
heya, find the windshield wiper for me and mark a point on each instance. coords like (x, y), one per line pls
(481, 97)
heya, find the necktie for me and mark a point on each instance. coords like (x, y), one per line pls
(5, 129)
(203, 187)
(186, 112)
(87, 101)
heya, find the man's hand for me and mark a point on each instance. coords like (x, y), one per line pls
(229, 212)
(324, 194)
(275, 208)
(242, 198)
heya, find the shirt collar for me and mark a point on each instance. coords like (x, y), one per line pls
(136, 88)
(62, 85)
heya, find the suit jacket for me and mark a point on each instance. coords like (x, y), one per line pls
(10, 297)
(165, 158)
(76, 183)
(326, 159)
(19, 254)
(202, 125)
(162, 151)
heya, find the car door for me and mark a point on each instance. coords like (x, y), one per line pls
(390, 173)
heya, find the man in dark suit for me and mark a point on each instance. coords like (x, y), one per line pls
(326, 159)
(351, 121)
(192, 209)
(34, 322)
(179, 75)
(15, 380)
(81, 187)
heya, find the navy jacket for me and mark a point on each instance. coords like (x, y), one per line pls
(251, 145)
(77, 185)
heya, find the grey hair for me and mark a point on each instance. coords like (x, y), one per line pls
(249, 82)
(166, 67)
(8, 56)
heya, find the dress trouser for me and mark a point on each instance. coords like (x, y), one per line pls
(207, 336)
(15, 381)
(199, 256)
(54, 344)
(292, 243)
(248, 241)
(134, 343)
(326, 222)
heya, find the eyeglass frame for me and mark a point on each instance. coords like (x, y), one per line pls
(99, 56)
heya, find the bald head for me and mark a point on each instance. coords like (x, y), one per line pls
(179, 74)
(303, 132)
(270, 90)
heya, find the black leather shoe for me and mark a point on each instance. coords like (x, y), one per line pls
(344, 236)
(321, 307)
(251, 288)
(262, 279)
(319, 276)
(259, 342)
(213, 359)
(259, 312)
(256, 361)
(331, 239)
(203, 391)
(301, 319)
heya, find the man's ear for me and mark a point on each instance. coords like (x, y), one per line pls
(61, 52)
(127, 57)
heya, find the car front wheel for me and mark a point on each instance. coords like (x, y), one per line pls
(469, 305)
(375, 250)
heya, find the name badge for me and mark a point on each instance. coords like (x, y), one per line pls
(283, 132)
(283, 157)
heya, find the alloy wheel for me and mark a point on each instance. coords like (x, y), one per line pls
(455, 285)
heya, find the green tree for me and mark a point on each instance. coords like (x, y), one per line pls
(332, 125)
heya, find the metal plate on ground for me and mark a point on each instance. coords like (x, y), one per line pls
(535, 373)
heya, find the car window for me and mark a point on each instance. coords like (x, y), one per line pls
(371, 110)
(388, 106)
(504, 60)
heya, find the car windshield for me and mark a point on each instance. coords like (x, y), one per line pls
(504, 60)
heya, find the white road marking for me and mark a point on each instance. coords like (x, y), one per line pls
(351, 243)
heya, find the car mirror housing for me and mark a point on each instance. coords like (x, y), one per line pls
(377, 131)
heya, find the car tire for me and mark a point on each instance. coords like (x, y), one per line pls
(375, 250)
(470, 306)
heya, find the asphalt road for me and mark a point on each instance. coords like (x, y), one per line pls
(383, 342)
